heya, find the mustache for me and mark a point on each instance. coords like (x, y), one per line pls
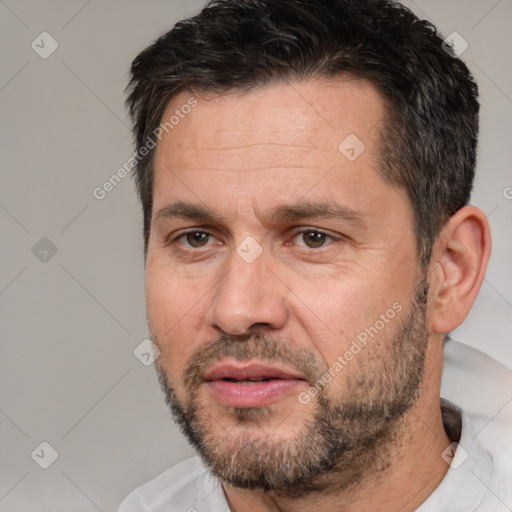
(245, 347)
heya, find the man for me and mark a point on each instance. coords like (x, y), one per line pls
(305, 169)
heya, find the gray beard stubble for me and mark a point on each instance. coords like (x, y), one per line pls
(343, 441)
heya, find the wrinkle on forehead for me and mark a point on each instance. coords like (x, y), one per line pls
(273, 146)
(283, 125)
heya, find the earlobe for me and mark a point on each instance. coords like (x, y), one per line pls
(460, 258)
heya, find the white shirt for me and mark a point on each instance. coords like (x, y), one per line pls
(479, 477)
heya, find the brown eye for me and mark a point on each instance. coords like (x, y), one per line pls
(312, 239)
(195, 239)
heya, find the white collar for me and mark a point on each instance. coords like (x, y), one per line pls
(467, 479)
(461, 490)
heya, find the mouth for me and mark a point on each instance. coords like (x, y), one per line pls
(251, 383)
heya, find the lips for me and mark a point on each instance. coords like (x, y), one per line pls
(251, 384)
(239, 371)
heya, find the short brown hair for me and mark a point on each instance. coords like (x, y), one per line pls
(428, 145)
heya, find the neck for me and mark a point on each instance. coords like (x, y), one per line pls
(401, 473)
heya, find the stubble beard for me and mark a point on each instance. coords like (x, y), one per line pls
(340, 439)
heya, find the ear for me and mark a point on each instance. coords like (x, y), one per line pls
(459, 262)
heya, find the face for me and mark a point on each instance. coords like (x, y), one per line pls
(282, 283)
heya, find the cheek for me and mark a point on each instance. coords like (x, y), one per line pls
(339, 305)
(172, 306)
(344, 308)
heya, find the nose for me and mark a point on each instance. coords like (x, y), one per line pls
(249, 298)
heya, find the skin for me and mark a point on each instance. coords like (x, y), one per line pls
(243, 156)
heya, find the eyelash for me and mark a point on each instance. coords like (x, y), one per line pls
(184, 234)
(296, 233)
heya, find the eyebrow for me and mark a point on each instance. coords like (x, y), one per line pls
(300, 210)
(310, 210)
(183, 210)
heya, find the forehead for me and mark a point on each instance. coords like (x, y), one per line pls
(281, 124)
(279, 144)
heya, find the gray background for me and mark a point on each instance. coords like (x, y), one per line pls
(70, 321)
